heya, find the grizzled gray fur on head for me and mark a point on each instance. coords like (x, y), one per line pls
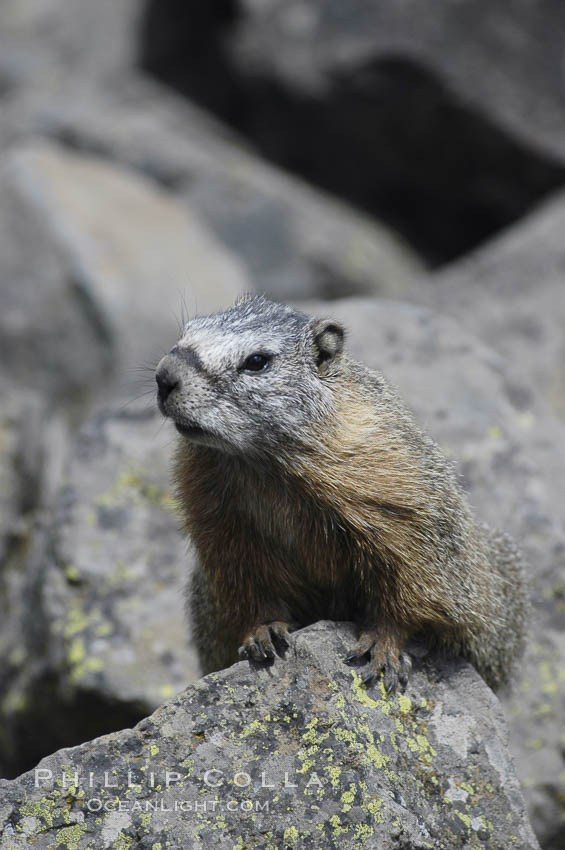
(250, 379)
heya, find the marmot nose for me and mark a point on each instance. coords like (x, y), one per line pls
(167, 381)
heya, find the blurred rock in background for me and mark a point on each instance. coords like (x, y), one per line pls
(84, 286)
(377, 150)
(446, 123)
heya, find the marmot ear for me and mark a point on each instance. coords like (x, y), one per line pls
(328, 340)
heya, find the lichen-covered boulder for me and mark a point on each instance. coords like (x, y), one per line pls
(113, 588)
(32, 452)
(298, 755)
(101, 638)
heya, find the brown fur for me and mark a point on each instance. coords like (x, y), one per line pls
(362, 520)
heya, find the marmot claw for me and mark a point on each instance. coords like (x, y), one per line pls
(265, 642)
(394, 665)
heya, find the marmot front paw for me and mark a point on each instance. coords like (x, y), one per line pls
(383, 656)
(265, 642)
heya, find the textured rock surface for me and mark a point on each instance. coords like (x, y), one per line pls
(32, 450)
(106, 572)
(22, 460)
(114, 592)
(89, 256)
(298, 756)
(42, 39)
(512, 294)
(295, 242)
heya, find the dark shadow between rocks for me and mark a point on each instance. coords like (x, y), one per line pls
(388, 135)
(52, 722)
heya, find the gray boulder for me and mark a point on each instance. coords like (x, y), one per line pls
(52, 39)
(511, 293)
(294, 241)
(448, 125)
(32, 452)
(501, 57)
(79, 85)
(297, 755)
(104, 573)
(24, 463)
(114, 587)
(89, 255)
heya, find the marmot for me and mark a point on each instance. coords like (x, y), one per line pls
(310, 493)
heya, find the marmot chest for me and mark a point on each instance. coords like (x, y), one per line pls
(310, 549)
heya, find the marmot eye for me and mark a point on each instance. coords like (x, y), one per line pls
(255, 363)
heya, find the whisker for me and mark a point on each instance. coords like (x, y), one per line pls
(129, 401)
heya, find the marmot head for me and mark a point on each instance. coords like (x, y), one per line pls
(255, 378)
